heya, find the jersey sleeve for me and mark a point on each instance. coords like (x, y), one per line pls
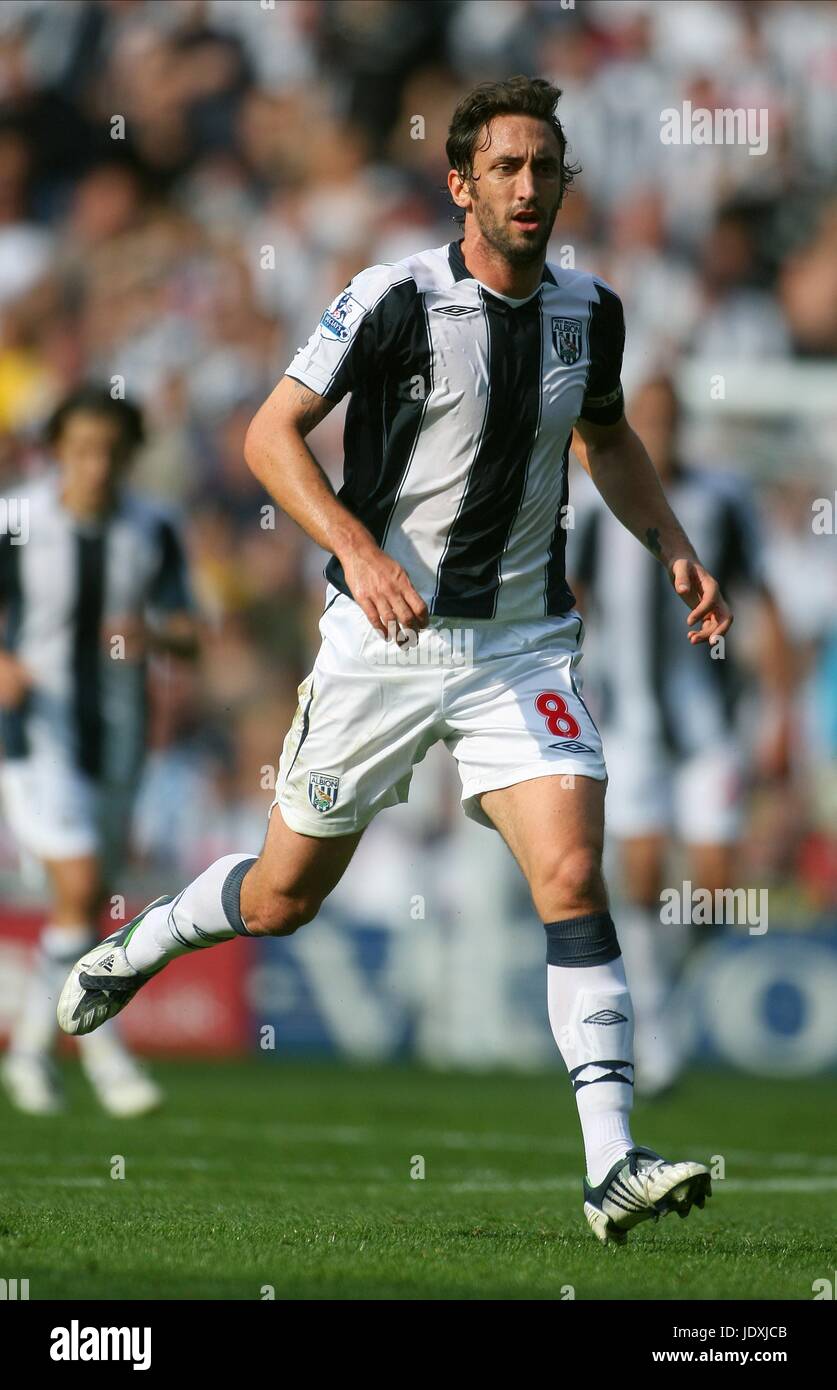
(353, 340)
(170, 591)
(587, 548)
(604, 402)
(741, 549)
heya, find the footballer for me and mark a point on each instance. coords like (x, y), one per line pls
(470, 368)
(94, 579)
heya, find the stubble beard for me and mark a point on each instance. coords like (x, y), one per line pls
(499, 236)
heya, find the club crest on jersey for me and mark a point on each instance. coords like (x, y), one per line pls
(322, 790)
(566, 335)
(340, 317)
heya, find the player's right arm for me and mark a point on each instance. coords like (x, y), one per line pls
(15, 681)
(277, 454)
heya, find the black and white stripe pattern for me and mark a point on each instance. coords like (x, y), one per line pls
(654, 685)
(457, 433)
(57, 588)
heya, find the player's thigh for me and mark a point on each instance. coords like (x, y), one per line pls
(641, 862)
(712, 866)
(516, 714)
(76, 889)
(362, 723)
(554, 827)
(292, 876)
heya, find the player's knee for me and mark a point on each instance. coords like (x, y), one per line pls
(572, 882)
(282, 914)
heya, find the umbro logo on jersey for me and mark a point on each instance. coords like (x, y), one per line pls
(106, 964)
(457, 310)
(605, 1017)
(571, 745)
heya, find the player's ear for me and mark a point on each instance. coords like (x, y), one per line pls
(458, 189)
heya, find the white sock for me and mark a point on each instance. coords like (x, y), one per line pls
(591, 1017)
(202, 915)
(58, 949)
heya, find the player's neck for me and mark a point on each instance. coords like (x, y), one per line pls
(490, 267)
(82, 509)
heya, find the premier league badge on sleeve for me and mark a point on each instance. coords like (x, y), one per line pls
(322, 790)
(566, 335)
(341, 317)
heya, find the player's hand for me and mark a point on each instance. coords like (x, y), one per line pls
(15, 681)
(382, 588)
(710, 616)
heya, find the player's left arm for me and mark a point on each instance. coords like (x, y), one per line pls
(169, 623)
(173, 626)
(618, 463)
(743, 567)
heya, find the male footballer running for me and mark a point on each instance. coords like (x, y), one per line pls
(468, 367)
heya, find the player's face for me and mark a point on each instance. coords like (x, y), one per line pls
(92, 456)
(517, 189)
(654, 417)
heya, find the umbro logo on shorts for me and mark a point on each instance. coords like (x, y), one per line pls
(571, 745)
(606, 1017)
(322, 790)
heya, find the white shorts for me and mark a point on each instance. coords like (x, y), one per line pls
(698, 799)
(504, 697)
(55, 811)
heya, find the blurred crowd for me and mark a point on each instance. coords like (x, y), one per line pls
(186, 184)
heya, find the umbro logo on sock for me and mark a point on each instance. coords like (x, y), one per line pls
(106, 964)
(605, 1017)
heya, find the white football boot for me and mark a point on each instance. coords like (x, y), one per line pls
(31, 1083)
(640, 1186)
(102, 982)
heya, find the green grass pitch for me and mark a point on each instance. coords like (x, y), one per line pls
(298, 1176)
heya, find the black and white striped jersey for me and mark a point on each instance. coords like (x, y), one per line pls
(458, 428)
(649, 684)
(61, 581)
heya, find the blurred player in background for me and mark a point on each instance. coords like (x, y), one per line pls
(676, 760)
(93, 580)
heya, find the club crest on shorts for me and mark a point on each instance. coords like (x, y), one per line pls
(566, 335)
(322, 790)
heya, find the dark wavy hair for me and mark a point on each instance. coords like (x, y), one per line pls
(90, 399)
(516, 96)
